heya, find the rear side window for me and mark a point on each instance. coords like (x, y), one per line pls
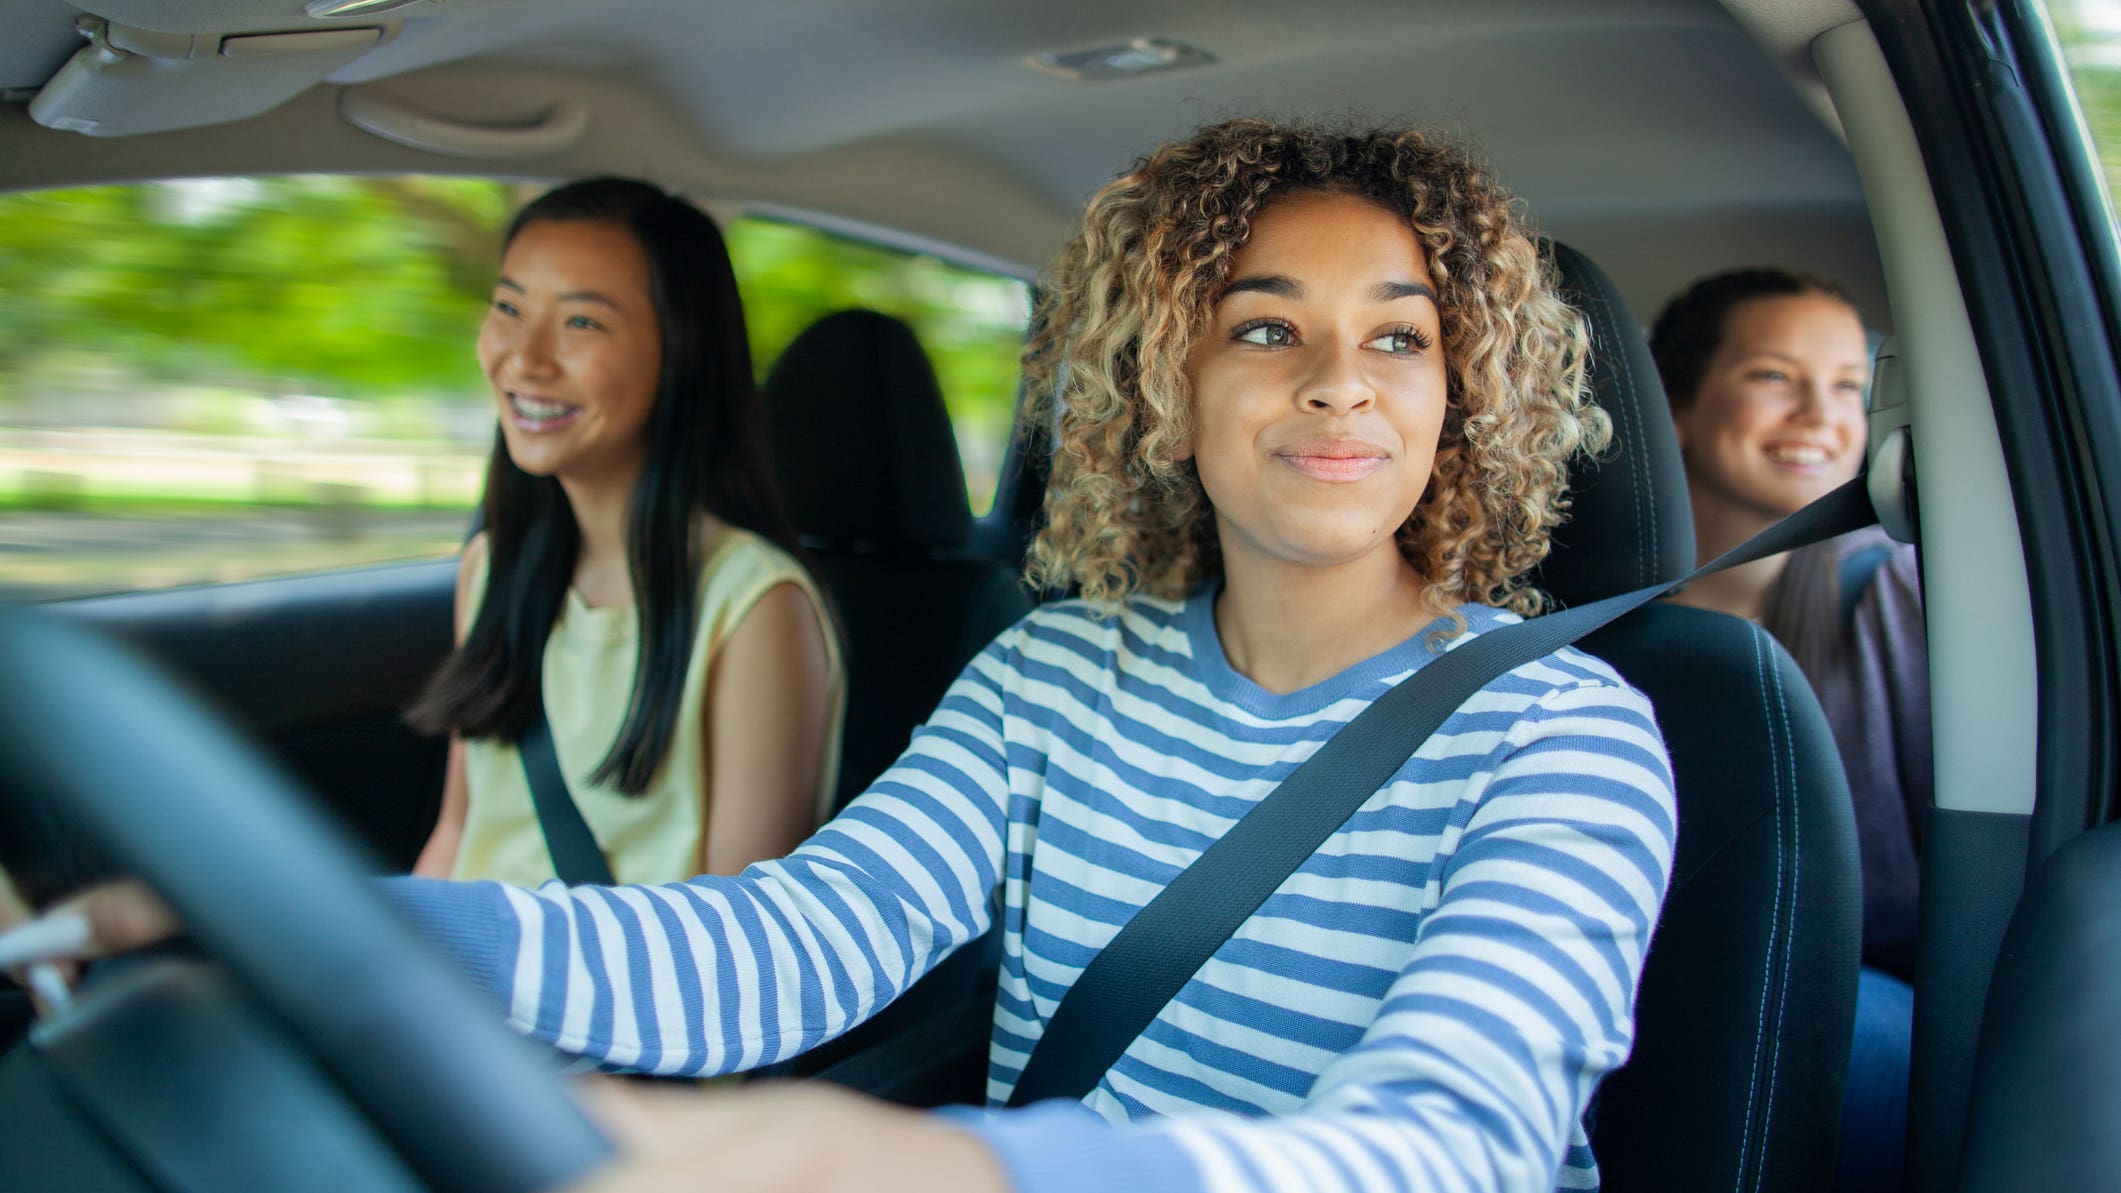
(2089, 32)
(227, 379)
(224, 379)
(971, 322)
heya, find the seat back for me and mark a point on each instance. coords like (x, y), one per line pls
(869, 466)
(1748, 994)
(2047, 1074)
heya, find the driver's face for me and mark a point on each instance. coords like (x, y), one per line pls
(1319, 385)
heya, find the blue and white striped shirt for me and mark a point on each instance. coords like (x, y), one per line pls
(1426, 1003)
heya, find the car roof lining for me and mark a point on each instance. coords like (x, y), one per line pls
(929, 121)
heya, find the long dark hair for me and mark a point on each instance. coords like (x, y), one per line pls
(706, 453)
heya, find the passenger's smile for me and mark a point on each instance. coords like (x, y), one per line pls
(537, 414)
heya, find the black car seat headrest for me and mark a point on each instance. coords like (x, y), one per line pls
(1630, 524)
(861, 441)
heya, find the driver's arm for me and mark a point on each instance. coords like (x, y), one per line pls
(1519, 995)
(727, 973)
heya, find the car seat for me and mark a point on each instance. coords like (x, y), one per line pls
(2047, 1075)
(869, 467)
(1748, 994)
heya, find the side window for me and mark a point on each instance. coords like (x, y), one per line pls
(2089, 34)
(971, 322)
(224, 379)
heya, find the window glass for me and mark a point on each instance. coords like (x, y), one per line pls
(229, 378)
(225, 379)
(2089, 32)
(971, 323)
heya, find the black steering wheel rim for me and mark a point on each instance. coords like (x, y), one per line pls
(266, 886)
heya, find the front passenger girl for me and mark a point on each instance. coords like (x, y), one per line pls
(635, 576)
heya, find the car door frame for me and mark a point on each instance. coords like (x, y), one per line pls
(2035, 262)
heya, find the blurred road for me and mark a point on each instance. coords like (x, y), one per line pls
(46, 555)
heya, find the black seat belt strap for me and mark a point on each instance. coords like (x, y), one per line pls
(1158, 951)
(575, 855)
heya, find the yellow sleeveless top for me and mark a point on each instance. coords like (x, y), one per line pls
(588, 675)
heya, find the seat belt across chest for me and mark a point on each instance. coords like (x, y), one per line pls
(1158, 951)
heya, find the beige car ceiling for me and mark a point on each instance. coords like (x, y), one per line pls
(1663, 137)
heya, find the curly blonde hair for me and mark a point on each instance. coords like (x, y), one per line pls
(1126, 299)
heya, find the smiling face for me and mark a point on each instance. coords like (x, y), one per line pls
(573, 350)
(1319, 386)
(1778, 418)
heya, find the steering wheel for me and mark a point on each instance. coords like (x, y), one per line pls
(266, 887)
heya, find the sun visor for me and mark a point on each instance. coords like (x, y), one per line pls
(128, 81)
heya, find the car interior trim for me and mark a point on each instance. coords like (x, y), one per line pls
(126, 81)
(282, 618)
(2068, 217)
(2045, 1103)
(1973, 865)
(1983, 673)
(2077, 779)
(1786, 28)
(2028, 265)
(558, 127)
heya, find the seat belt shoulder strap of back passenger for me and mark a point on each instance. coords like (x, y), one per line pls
(1159, 950)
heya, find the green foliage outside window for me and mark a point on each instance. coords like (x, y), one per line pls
(220, 379)
(179, 306)
(2090, 34)
(359, 288)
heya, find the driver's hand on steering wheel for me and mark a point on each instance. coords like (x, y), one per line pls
(106, 919)
(766, 1137)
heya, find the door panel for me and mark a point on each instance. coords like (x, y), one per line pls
(319, 669)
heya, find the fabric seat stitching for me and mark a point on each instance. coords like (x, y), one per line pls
(1638, 460)
(1789, 933)
(1633, 449)
(1745, 1138)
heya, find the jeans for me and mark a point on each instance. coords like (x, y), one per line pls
(1873, 1151)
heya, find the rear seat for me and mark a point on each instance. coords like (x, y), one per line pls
(870, 470)
(869, 466)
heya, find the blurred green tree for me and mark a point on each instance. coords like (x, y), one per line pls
(2090, 34)
(354, 287)
(372, 288)
(972, 324)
